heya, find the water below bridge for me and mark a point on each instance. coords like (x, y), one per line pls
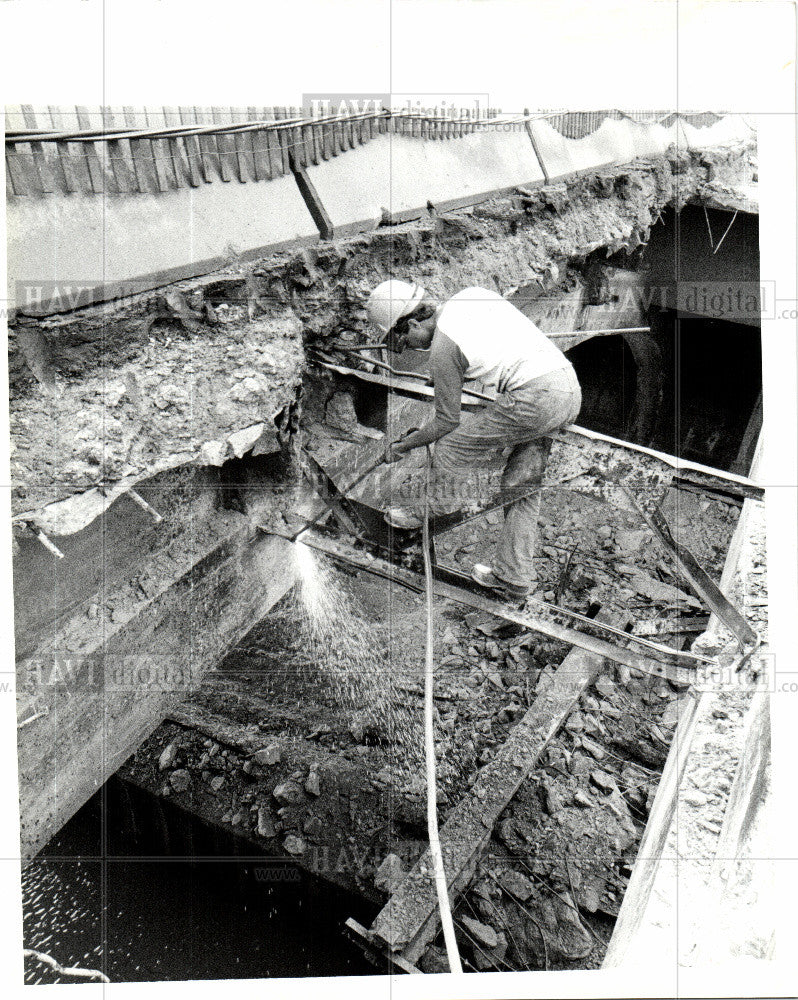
(141, 891)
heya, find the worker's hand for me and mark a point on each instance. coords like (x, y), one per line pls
(394, 452)
(398, 449)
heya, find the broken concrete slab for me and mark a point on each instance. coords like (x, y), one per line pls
(727, 131)
(65, 252)
(394, 177)
(97, 692)
(563, 158)
(128, 404)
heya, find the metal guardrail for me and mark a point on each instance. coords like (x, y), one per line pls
(108, 151)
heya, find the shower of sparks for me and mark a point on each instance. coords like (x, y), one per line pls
(353, 655)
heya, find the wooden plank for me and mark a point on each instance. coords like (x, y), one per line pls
(536, 148)
(161, 151)
(92, 151)
(16, 170)
(65, 176)
(304, 142)
(261, 167)
(225, 145)
(364, 940)
(281, 113)
(349, 131)
(120, 158)
(272, 152)
(20, 159)
(296, 142)
(363, 131)
(330, 140)
(654, 839)
(197, 173)
(273, 143)
(316, 142)
(242, 143)
(73, 153)
(209, 151)
(105, 151)
(338, 140)
(314, 203)
(39, 163)
(409, 921)
(141, 153)
(177, 150)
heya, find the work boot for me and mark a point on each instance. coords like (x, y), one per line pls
(402, 518)
(485, 577)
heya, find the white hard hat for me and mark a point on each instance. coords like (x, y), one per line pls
(392, 300)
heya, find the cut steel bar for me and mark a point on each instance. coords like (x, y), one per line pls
(337, 503)
(671, 655)
(406, 386)
(560, 334)
(364, 560)
(138, 499)
(333, 500)
(50, 546)
(703, 584)
(700, 475)
(372, 949)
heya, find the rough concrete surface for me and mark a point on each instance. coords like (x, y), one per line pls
(60, 245)
(394, 177)
(125, 399)
(101, 394)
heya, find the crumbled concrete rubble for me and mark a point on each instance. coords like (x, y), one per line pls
(688, 888)
(279, 756)
(162, 379)
(121, 399)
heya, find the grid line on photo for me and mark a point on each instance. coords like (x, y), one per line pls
(548, 219)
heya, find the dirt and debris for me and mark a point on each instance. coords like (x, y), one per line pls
(124, 409)
(274, 745)
(128, 388)
(329, 771)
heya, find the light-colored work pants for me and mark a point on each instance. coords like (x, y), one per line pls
(516, 420)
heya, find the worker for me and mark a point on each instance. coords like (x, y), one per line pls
(478, 335)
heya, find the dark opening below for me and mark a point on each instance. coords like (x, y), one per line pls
(705, 398)
(169, 898)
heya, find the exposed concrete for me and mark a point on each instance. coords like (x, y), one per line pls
(105, 397)
(564, 158)
(161, 381)
(104, 681)
(394, 177)
(242, 373)
(66, 251)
